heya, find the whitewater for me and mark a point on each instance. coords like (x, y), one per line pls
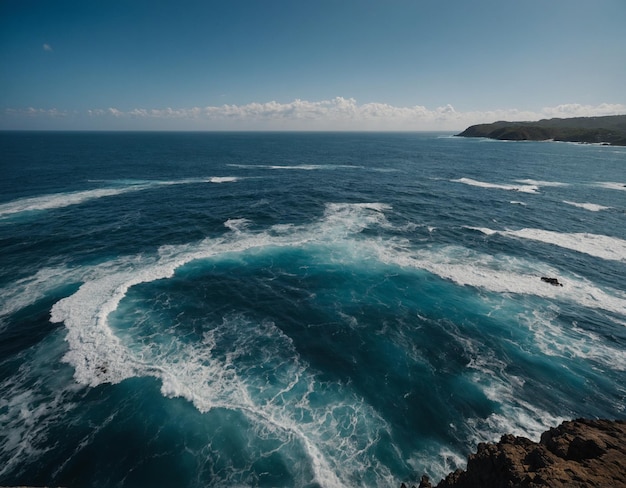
(299, 309)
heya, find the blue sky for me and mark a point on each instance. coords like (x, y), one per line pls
(307, 65)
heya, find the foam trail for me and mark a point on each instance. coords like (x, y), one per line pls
(66, 199)
(592, 207)
(346, 219)
(482, 184)
(542, 183)
(610, 185)
(301, 167)
(100, 355)
(600, 246)
(60, 200)
(573, 341)
(223, 179)
(27, 291)
(515, 416)
(237, 225)
(85, 313)
(499, 274)
(518, 417)
(209, 379)
(32, 403)
(439, 463)
(209, 382)
(193, 181)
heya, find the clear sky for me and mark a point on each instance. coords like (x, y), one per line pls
(307, 65)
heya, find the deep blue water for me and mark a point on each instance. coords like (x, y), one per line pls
(285, 309)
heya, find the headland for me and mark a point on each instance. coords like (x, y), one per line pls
(609, 130)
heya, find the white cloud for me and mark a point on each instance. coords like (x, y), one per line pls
(115, 112)
(577, 110)
(336, 114)
(347, 113)
(37, 112)
(47, 47)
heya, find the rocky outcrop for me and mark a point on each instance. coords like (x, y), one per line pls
(552, 281)
(579, 453)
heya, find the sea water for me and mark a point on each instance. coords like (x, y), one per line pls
(299, 309)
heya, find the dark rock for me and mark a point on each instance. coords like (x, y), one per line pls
(538, 459)
(425, 482)
(580, 449)
(580, 453)
(552, 281)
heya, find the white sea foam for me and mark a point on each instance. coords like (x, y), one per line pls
(516, 202)
(611, 185)
(542, 183)
(85, 313)
(99, 354)
(300, 167)
(284, 409)
(190, 181)
(501, 274)
(279, 409)
(223, 179)
(483, 184)
(32, 402)
(60, 200)
(346, 219)
(437, 463)
(237, 225)
(27, 291)
(593, 207)
(516, 416)
(572, 342)
(66, 199)
(601, 246)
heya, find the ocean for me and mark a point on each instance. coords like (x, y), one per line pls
(300, 309)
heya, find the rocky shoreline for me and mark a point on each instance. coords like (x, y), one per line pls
(577, 453)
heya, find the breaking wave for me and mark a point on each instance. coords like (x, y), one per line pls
(601, 246)
(592, 207)
(532, 188)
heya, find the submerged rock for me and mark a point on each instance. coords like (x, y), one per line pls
(552, 281)
(579, 453)
(424, 483)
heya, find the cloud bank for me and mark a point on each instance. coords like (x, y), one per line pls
(336, 114)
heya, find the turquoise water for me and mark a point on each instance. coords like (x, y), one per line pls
(285, 309)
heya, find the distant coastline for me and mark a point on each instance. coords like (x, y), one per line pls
(609, 130)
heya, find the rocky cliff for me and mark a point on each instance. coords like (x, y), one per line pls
(579, 453)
